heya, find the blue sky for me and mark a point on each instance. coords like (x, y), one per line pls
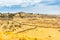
(31, 6)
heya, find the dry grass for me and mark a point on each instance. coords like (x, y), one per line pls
(30, 27)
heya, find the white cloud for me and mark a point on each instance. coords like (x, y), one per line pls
(18, 2)
(36, 1)
(10, 2)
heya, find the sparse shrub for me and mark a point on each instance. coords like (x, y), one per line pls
(18, 26)
(4, 27)
(35, 38)
(11, 15)
(2, 16)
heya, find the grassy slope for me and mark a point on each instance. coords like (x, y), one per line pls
(30, 29)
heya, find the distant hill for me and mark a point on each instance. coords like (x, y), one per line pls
(26, 15)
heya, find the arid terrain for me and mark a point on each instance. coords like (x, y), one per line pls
(29, 26)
